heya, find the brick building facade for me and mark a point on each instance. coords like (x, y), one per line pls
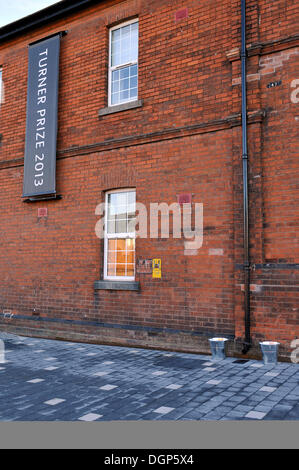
(182, 134)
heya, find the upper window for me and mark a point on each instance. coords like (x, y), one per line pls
(120, 235)
(123, 63)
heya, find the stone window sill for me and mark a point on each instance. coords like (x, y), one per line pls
(117, 285)
(120, 107)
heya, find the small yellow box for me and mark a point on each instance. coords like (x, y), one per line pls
(157, 269)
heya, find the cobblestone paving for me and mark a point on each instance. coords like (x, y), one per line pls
(45, 380)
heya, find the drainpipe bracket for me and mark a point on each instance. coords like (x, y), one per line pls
(247, 266)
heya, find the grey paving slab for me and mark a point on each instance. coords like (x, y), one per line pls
(45, 380)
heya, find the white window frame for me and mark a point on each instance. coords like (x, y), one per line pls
(108, 236)
(118, 67)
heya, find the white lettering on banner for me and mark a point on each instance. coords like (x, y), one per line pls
(40, 135)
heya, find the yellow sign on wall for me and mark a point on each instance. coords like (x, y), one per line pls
(157, 269)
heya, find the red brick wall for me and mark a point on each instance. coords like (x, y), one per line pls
(185, 138)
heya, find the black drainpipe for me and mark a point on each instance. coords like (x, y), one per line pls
(247, 342)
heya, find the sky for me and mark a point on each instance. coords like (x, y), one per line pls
(12, 10)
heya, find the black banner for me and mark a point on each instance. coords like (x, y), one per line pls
(41, 128)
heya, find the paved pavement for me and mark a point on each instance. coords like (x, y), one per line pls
(45, 380)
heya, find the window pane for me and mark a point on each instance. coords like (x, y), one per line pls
(133, 93)
(116, 52)
(112, 245)
(124, 73)
(134, 51)
(132, 225)
(116, 35)
(124, 95)
(111, 202)
(115, 98)
(133, 70)
(115, 60)
(133, 82)
(130, 270)
(121, 199)
(121, 226)
(121, 212)
(131, 197)
(115, 87)
(134, 27)
(125, 56)
(121, 245)
(121, 257)
(115, 75)
(115, 47)
(124, 84)
(131, 211)
(134, 41)
(111, 271)
(130, 242)
(126, 38)
(111, 226)
(125, 34)
(130, 257)
(120, 270)
(111, 257)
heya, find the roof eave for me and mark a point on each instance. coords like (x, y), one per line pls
(42, 17)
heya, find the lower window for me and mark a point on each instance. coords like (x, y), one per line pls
(119, 250)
